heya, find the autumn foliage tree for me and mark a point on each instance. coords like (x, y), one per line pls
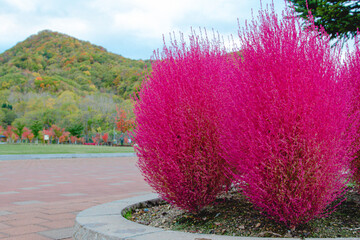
(178, 124)
(64, 137)
(50, 133)
(105, 137)
(289, 132)
(25, 134)
(31, 137)
(123, 123)
(58, 132)
(96, 139)
(8, 132)
(73, 139)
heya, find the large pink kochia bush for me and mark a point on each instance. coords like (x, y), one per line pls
(289, 132)
(351, 73)
(177, 124)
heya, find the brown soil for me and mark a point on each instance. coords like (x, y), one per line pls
(233, 215)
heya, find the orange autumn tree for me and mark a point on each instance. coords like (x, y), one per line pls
(123, 123)
(30, 137)
(96, 139)
(58, 132)
(64, 137)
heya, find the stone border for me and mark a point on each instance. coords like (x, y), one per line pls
(105, 222)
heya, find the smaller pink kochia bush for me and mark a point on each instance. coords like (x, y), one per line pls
(177, 124)
(289, 131)
(351, 73)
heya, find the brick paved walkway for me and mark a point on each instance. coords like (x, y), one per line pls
(39, 199)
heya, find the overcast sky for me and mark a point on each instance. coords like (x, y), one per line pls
(131, 28)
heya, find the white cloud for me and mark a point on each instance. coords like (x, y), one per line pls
(23, 5)
(109, 21)
(142, 23)
(157, 17)
(12, 30)
(72, 26)
(8, 23)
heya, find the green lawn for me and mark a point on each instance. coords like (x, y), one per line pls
(6, 149)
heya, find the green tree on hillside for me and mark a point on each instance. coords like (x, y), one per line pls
(9, 117)
(6, 105)
(2, 117)
(336, 16)
(75, 129)
(36, 126)
(19, 124)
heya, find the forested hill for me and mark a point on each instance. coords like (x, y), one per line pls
(52, 78)
(54, 62)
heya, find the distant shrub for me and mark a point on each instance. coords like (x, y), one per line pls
(287, 134)
(91, 144)
(177, 124)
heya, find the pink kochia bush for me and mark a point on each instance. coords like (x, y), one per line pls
(177, 124)
(288, 134)
(352, 75)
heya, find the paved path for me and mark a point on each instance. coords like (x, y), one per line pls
(39, 198)
(68, 155)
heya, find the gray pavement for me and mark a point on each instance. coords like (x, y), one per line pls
(71, 155)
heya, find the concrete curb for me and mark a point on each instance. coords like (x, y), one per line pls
(70, 155)
(105, 222)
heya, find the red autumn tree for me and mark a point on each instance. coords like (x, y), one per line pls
(105, 137)
(8, 132)
(73, 139)
(96, 139)
(123, 123)
(25, 134)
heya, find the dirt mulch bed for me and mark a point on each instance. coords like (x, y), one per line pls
(235, 216)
